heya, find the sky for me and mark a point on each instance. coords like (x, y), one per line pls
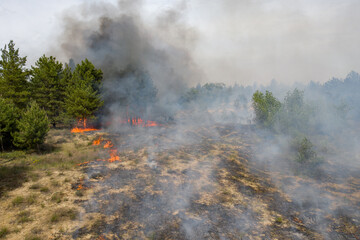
(243, 41)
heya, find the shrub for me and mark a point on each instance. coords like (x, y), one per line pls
(278, 220)
(266, 107)
(33, 127)
(305, 151)
(294, 114)
(8, 116)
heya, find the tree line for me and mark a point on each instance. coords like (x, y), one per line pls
(49, 93)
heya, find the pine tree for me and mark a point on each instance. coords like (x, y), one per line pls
(82, 100)
(48, 87)
(87, 72)
(32, 127)
(82, 94)
(8, 117)
(13, 76)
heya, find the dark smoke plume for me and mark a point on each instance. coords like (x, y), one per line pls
(138, 59)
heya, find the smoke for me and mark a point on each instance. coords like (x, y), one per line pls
(148, 67)
(121, 43)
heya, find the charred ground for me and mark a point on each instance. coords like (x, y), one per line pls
(213, 188)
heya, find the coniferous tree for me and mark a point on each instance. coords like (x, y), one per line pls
(48, 87)
(87, 72)
(8, 117)
(82, 94)
(82, 100)
(32, 127)
(13, 76)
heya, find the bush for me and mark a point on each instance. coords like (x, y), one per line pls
(8, 116)
(33, 127)
(266, 106)
(294, 114)
(305, 151)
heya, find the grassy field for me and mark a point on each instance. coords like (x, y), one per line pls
(39, 193)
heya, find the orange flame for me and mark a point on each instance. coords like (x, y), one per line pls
(82, 121)
(113, 155)
(143, 123)
(113, 152)
(97, 141)
(81, 186)
(108, 144)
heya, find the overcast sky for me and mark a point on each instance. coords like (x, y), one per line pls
(236, 40)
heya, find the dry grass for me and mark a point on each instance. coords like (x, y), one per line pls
(64, 213)
(36, 189)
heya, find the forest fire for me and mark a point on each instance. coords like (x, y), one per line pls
(137, 121)
(83, 123)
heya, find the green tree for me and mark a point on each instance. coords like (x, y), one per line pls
(82, 93)
(82, 100)
(48, 87)
(266, 106)
(8, 117)
(87, 72)
(32, 127)
(13, 76)
(294, 115)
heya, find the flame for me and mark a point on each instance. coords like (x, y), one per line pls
(108, 144)
(113, 155)
(97, 141)
(82, 122)
(113, 152)
(81, 185)
(143, 123)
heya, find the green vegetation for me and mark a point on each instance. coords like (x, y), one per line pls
(82, 95)
(291, 118)
(44, 189)
(305, 151)
(14, 83)
(4, 231)
(278, 220)
(18, 200)
(8, 116)
(266, 106)
(48, 84)
(33, 127)
(57, 95)
(294, 115)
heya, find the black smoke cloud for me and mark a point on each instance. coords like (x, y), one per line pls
(139, 59)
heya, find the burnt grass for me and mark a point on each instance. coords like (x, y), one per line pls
(210, 189)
